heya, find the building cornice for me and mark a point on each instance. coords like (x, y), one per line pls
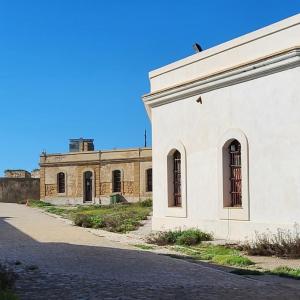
(94, 162)
(264, 66)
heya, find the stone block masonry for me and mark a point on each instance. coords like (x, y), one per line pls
(131, 166)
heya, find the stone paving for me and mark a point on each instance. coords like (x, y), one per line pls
(75, 264)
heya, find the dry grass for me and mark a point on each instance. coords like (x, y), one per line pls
(283, 243)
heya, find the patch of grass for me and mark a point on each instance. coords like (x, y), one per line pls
(206, 252)
(286, 272)
(143, 246)
(218, 254)
(180, 237)
(57, 210)
(232, 260)
(283, 243)
(116, 218)
(39, 203)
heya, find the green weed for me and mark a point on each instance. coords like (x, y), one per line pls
(144, 247)
(179, 237)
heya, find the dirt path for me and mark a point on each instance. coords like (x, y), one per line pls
(76, 264)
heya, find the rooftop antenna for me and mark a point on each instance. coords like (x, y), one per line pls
(145, 138)
(197, 48)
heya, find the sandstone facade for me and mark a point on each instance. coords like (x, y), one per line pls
(88, 176)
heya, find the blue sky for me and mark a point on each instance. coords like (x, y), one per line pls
(78, 68)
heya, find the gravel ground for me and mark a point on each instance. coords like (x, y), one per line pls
(75, 264)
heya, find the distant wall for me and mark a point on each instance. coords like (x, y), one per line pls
(18, 190)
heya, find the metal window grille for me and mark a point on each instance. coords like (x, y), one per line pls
(177, 178)
(117, 181)
(61, 182)
(235, 174)
(149, 180)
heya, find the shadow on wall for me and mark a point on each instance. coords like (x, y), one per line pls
(18, 190)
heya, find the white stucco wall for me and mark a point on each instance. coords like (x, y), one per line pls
(266, 109)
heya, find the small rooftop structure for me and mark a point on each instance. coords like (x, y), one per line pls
(81, 145)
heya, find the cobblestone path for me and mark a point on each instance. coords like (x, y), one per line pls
(75, 264)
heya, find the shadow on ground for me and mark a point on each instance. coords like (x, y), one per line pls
(70, 271)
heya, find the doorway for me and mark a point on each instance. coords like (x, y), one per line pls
(88, 186)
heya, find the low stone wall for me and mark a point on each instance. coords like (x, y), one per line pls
(18, 190)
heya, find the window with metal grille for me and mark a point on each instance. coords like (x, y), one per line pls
(149, 180)
(235, 173)
(177, 178)
(61, 182)
(117, 181)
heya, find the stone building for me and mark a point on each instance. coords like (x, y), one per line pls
(87, 176)
(225, 135)
(35, 173)
(17, 173)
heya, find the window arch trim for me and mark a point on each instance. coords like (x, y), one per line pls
(171, 210)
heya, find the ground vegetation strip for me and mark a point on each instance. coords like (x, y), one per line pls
(120, 217)
(283, 243)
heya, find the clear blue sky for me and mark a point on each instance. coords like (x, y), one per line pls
(78, 68)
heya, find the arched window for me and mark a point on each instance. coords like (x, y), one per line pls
(177, 178)
(61, 182)
(149, 180)
(116, 181)
(234, 150)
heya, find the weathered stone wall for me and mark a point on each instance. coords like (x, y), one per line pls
(18, 190)
(17, 174)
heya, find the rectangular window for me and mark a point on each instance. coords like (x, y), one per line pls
(149, 180)
(117, 181)
(61, 183)
(235, 174)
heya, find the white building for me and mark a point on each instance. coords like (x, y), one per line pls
(226, 135)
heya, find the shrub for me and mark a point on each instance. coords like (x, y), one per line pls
(121, 222)
(146, 203)
(180, 237)
(193, 237)
(163, 238)
(82, 220)
(284, 243)
(97, 221)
